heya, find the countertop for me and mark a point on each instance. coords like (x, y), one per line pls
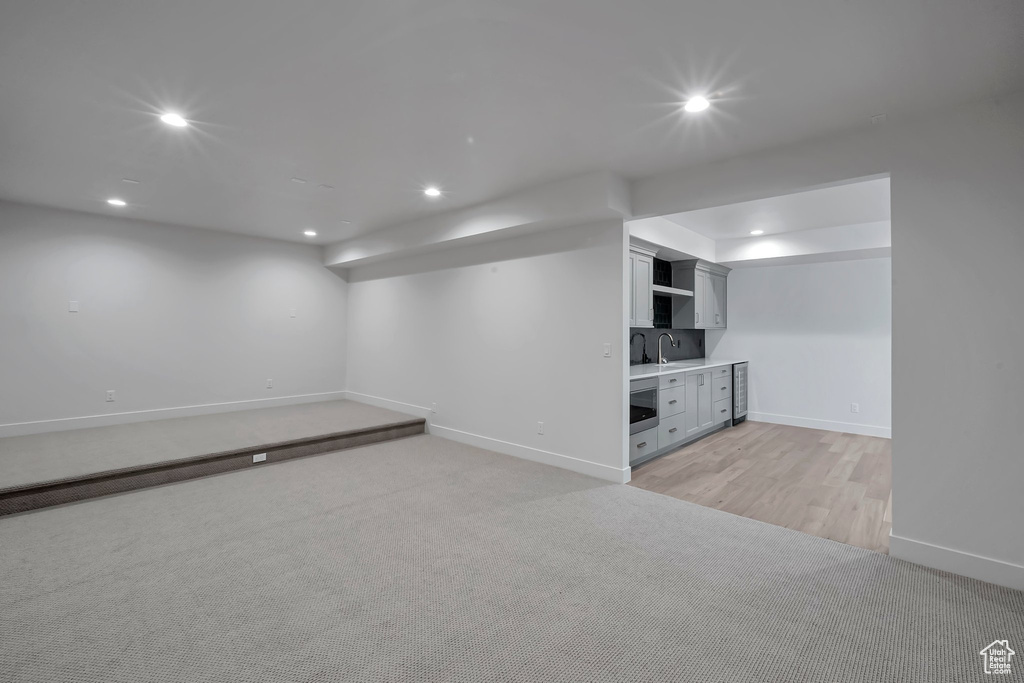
(654, 370)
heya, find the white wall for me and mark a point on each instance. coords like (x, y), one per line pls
(819, 337)
(502, 336)
(957, 244)
(170, 317)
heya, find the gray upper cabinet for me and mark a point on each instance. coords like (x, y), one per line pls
(641, 288)
(706, 309)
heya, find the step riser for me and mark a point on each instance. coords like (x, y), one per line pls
(49, 495)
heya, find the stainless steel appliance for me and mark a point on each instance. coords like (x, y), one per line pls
(739, 392)
(643, 404)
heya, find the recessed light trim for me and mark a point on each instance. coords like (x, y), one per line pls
(130, 181)
(114, 201)
(298, 180)
(174, 119)
(309, 233)
(432, 191)
(696, 104)
(757, 232)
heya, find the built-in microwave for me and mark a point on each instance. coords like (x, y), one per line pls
(643, 404)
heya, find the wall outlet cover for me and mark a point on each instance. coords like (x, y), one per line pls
(540, 427)
(270, 384)
(110, 395)
(854, 407)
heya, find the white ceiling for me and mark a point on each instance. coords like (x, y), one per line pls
(379, 97)
(851, 204)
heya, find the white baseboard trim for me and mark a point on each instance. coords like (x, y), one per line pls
(565, 462)
(812, 423)
(408, 408)
(64, 424)
(957, 562)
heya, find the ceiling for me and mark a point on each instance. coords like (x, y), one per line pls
(378, 98)
(842, 205)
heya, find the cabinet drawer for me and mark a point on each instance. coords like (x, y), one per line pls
(671, 401)
(643, 443)
(721, 387)
(722, 411)
(671, 430)
(723, 371)
(677, 379)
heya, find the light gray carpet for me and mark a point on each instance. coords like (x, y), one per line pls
(426, 560)
(59, 456)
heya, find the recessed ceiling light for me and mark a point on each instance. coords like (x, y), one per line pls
(298, 180)
(130, 180)
(757, 232)
(310, 233)
(696, 104)
(324, 186)
(114, 201)
(174, 119)
(347, 222)
(432, 191)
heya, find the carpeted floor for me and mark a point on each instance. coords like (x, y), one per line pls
(57, 456)
(426, 560)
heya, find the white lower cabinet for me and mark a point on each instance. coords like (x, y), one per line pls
(690, 405)
(722, 412)
(698, 401)
(671, 430)
(671, 401)
(643, 444)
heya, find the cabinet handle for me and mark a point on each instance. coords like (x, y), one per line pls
(724, 388)
(673, 380)
(641, 444)
(724, 409)
(698, 317)
(673, 430)
(673, 402)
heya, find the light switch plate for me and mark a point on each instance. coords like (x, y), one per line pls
(72, 307)
(607, 350)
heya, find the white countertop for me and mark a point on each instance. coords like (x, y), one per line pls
(653, 370)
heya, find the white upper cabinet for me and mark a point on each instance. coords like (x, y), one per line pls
(641, 286)
(706, 309)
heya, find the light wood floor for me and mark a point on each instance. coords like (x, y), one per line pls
(828, 484)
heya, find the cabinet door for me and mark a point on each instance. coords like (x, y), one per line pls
(700, 287)
(693, 403)
(643, 283)
(632, 289)
(717, 313)
(705, 400)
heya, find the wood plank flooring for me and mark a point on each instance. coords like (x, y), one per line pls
(828, 484)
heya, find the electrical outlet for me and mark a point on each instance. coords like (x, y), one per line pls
(110, 395)
(607, 350)
(259, 457)
(540, 427)
(292, 312)
(72, 307)
(433, 407)
(270, 384)
(854, 407)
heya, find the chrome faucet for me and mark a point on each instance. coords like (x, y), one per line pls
(671, 342)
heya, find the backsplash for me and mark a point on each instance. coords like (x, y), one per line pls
(690, 344)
